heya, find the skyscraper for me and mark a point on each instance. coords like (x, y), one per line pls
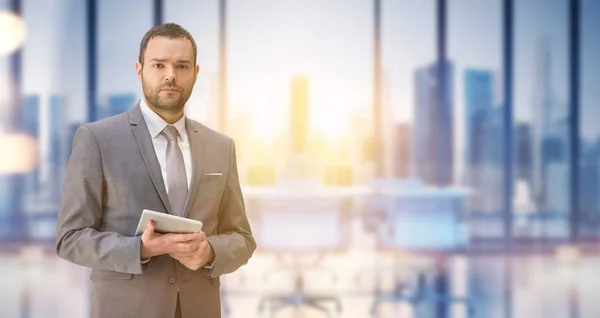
(478, 103)
(299, 114)
(55, 119)
(492, 172)
(523, 156)
(119, 103)
(299, 122)
(7, 209)
(589, 187)
(433, 131)
(30, 123)
(30, 116)
(52, 166)
(548, 135)
(484, 142)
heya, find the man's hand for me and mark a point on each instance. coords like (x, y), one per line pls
(155, 244)
(198, 258)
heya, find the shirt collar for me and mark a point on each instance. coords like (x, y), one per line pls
(156, 124)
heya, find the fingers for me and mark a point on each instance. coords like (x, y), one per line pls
(186, 247)
(189, 249)
(179, 238)
(186, 244)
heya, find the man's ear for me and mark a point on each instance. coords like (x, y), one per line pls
(196, 71)
(138, 70)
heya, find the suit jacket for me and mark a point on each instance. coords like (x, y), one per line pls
(112, 175)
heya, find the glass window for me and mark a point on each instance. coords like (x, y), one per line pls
(478, 109)
(121, 25)
(408, 36)
(474, 49)
(5, 66)
(53, 102)
(299, 84)
(50, 96)
(201, 19)
(589, 139)
(48, 99)
(6, 110)
(541, 108)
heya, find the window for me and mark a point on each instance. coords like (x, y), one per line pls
(408, 48)
(121, 25)
(478, 109)
(201, 19)
(541, 107)
(298, 75)
(52, 99)
(589, 139)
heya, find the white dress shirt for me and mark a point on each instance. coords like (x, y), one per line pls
(155, 126)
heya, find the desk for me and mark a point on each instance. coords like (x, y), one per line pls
(300, 224)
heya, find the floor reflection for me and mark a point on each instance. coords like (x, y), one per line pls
(38, 284)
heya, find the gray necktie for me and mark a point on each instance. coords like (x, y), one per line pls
(176, 178)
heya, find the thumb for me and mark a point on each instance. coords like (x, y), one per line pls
(149, 231)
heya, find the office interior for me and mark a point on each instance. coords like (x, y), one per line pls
(398, 158)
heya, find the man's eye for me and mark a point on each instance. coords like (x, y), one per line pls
(158, 65)
(182, 66)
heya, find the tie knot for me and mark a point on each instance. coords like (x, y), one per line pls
(170, 132)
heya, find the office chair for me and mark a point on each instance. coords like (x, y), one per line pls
(283, 218)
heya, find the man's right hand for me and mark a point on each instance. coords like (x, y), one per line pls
(155, 244)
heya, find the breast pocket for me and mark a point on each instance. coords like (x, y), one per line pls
(211, 178)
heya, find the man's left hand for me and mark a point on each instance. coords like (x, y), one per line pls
(198, 258)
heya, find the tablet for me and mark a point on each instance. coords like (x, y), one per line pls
(167, 223)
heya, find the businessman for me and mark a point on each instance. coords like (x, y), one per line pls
(153, 157)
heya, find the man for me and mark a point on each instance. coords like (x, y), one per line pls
(155, 158)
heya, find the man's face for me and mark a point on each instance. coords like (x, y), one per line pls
(168, 73)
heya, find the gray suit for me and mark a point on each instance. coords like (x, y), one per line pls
(113, 174)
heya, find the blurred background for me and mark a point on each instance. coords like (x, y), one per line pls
(399, 158)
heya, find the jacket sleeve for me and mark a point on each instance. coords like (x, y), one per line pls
(78, 238)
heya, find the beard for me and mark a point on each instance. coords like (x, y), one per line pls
(168, 104)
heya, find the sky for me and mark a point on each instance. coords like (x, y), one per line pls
(328, 42)
(534, 20)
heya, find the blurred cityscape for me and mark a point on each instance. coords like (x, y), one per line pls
(427, 190)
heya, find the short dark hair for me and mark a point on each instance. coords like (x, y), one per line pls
(169, 30)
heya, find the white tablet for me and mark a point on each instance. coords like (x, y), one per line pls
(167, 223)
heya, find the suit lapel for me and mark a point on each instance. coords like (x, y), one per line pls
(144, 143)
(198, 157)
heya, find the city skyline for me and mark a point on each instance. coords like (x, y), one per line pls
(543, 133)
(300, 90)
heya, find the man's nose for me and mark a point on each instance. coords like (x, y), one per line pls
(170, 74)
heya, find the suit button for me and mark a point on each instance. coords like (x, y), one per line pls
(172, 280)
